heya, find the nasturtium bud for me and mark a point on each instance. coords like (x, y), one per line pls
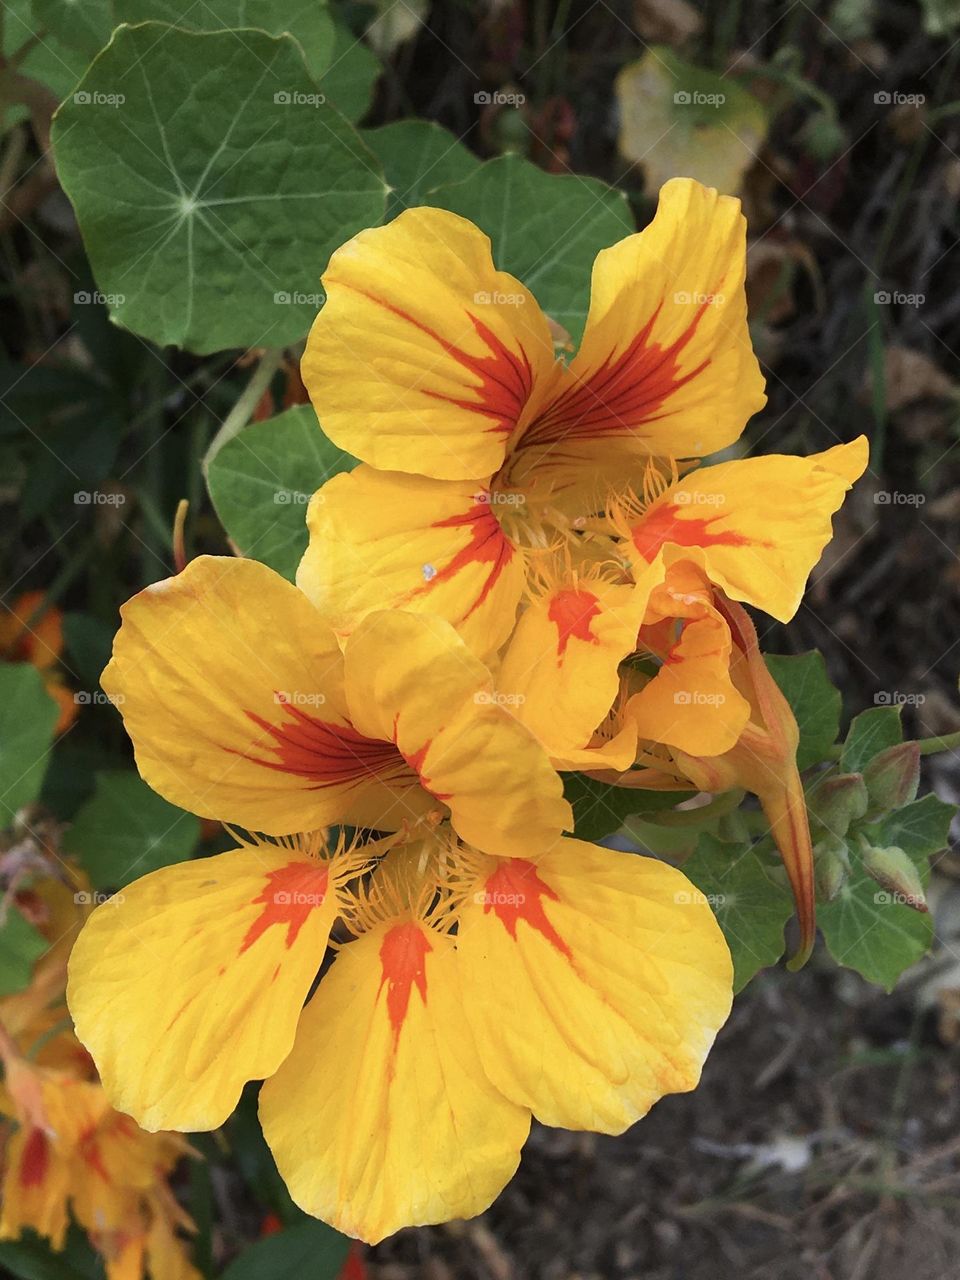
(892, 777)
(837, 802)
(831, 863)
(896, 874)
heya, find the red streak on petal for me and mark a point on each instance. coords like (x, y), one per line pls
(92, 1155)
(573, 613)
(664, 524)
(515, 892)
(35, 1160)
(487, 545)
(403, 954)
(326, 753)
(622, 395)
(289, 896)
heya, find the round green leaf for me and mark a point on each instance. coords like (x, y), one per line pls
(262, 480)
(211, 183)
(126, 830)
(306, 20)
(417, 156)
(546, 229)
(353, 72)
(84, 25)
(28, 716)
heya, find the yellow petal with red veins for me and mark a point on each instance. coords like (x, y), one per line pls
(692, 702)
(231, 686)
(560, 667)
(756, 526)
(595, 983)
(382, 1117)
(666, 366)
(190, 982)
(424, 355)
(382, 539)
(410, 677)
(35, 1187)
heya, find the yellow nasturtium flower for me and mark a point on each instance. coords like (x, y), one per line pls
(488, 968)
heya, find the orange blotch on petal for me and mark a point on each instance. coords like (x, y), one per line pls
(325, 753)
(290, 895)
(573, 612)
(663, 525)
(35, 1160)
(488, 545)
(515, 892)
(403, 954)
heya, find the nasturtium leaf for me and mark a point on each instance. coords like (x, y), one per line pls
(84, 25)
(546, 229)
(262, 480)
(804, 682)
(28, 716)
(306, 20)
(307, 1248)
(599, 809)
(188, 197)
(680, 120)
(352, 74)
(417, 156)
(31, 1257)
(751, 908)
(870, 733)
(920, 829)
(126, 830)
(21, 946)
(88, 644)
(867, 929)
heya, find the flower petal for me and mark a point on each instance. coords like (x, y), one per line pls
(231, 686)
(411, 678)
(424, 355)
(757, 526)
(382, 539)
(382, 1117)
(666, 366)
(595, 983)
(190, 982)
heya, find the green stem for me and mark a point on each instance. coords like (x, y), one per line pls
(242, 411)
(949, 742)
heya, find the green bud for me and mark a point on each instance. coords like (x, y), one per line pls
(831, 866)
(823, 137)
(838, 801)
(896, 874)
(892, 777)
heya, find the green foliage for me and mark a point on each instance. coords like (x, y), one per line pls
(870, 733)
(262, 480)
(599, 809)
(126, 830)
(751, 908)
(815, 703)
(417, 157)
(28, 716)
(546, 229)
(21, 946)
(308, 1248)
(189, 199)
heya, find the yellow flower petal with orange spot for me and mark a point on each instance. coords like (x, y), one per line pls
(382, 1117)
(594, 981)
(35, 1188)
(385, 540)
(424, 355)
(756, 526)
(230, 684)
(411, 678)
(560, 667)
(191, 982)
